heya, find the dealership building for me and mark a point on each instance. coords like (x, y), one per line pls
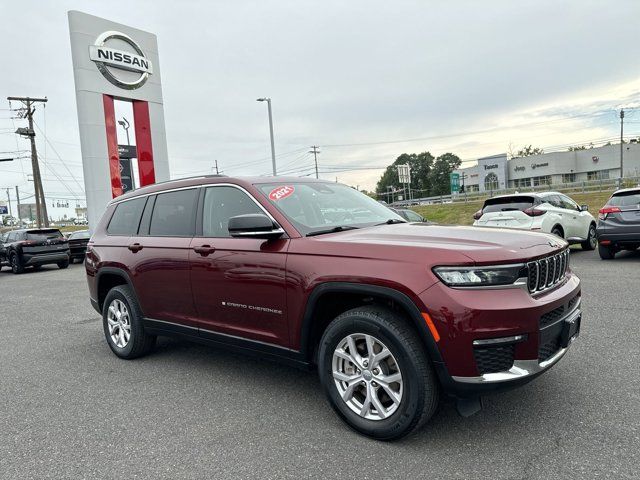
(497, 172)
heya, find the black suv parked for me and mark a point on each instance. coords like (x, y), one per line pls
(34, 248)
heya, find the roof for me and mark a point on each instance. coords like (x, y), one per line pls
(528, 194)
(626, 190)
(213, 179)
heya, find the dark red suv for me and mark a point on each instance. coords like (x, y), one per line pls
(393, 314)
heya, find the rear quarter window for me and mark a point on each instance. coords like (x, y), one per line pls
(126, 218)
(507, 204)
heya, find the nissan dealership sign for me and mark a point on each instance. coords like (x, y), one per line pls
(113, 61)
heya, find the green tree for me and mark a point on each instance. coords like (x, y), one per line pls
(420, 165)
(440, 174)
(529, 150)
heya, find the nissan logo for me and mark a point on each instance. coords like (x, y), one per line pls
(109, 60)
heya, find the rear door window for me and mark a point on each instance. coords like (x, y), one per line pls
(625, 199)
(174, 214)
(507, 204)
(126, 218)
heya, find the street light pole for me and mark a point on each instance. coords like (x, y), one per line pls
(273, 148)
(124, 123)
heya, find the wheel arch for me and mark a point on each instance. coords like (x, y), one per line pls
(108, 278)
(559, 227)
(322, 308)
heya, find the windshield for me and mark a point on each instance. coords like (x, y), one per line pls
(506, 204)
(314, 207)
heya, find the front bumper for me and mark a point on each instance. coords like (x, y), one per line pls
(497, 339)
(522, 369)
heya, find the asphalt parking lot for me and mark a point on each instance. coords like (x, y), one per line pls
(70, 409)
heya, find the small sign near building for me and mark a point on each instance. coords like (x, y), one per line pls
(454, 182)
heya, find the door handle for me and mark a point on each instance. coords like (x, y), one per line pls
(204, 250)
(135, 247)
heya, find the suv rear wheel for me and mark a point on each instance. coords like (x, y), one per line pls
(122, 323)
(606, 253)
(376, 373)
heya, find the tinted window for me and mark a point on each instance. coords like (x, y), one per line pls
(553, 200)
(222, 203)
(625, 199)
(568, 203)
(412, 216)
(78, 235)
(506, 204)
(43, 235)
(174, 214)
(126, 218)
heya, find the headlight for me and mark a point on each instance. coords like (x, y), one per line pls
(479, 276)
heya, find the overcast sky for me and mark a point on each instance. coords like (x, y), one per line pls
(380, 78)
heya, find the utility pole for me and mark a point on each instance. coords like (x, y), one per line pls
(41, 206)
(9, 200)
(217, 171)
(18, 207)
(315, 151)
(273, 147)
(621, 146)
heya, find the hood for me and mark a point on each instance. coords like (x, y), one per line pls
(447, 244)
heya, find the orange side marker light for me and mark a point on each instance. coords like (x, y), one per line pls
(432, 327)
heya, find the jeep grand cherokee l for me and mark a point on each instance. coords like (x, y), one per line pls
(392, 314)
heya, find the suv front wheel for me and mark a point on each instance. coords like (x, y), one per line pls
(122, 323)
(376, 373)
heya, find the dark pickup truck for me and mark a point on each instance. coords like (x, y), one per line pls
(34, 248)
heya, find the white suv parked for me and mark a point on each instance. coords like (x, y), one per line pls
(550, 212)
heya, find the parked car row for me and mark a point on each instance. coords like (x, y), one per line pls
(33, 248)
(617, 227)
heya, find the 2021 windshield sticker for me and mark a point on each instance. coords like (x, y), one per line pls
(279, 193)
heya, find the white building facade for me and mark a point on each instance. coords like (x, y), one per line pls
(602, 163)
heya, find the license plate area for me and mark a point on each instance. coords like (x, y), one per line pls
(570, 330)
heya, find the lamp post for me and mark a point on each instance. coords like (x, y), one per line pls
(124, 123)
(273, 148)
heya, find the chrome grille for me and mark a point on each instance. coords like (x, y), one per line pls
(545, 273)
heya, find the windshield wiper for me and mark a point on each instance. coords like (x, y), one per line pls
(391, 221)
(339, 228)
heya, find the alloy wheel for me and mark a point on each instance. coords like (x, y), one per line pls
(119, 323)
(367, 376)
(593, 241)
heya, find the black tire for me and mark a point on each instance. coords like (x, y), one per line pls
(606, 253)
(590, 243)
(140, 343)
(16, 264)
(63, 264)
(421, 390)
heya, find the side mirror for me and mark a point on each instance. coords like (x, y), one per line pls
(254, 225)
(584, 208)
